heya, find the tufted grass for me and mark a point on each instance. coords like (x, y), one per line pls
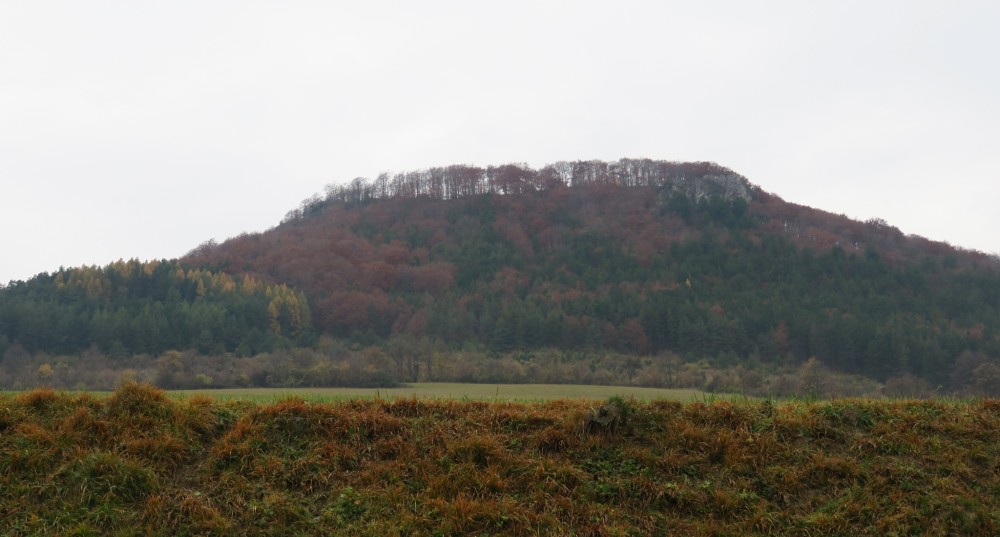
(141, 462)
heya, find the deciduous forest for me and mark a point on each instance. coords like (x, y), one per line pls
(631, 272)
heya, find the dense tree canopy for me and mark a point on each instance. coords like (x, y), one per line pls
(633, 258)
(130, 307)
(637, 257)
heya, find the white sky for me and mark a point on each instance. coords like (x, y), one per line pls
(141, 129)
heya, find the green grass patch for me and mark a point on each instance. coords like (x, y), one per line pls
(458, 391)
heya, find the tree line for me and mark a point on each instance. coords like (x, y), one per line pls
(457, 181)
(132, 307)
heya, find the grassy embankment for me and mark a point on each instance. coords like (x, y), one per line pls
(139, 462)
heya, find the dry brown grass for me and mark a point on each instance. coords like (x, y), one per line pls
(140, 462)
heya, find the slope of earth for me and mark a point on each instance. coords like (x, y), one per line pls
(139, 462)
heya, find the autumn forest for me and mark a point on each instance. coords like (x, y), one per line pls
(635, 272)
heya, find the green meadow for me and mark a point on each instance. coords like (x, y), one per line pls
(441, 390)
(460, 391)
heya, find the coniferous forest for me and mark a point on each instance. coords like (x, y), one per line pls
(631, 272)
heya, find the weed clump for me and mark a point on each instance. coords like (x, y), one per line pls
(138, 405)
(101, 477)
(611, 417)
(38, 399)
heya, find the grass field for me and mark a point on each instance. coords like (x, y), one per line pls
(450, 390)
(140, 462)
(446, 390)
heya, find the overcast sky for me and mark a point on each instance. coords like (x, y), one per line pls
(141, 129)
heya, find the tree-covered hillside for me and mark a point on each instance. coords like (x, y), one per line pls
(130, 307)
(639, 257)
(586, 272)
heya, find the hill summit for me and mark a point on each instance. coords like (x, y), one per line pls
(636, 256)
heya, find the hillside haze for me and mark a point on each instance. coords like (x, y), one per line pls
(633, 272)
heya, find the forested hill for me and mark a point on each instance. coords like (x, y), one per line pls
(638, 257)
(131, 307)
